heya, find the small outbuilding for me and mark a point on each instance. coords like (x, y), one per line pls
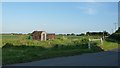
(39, 35)
(50, 36)
(42, 35)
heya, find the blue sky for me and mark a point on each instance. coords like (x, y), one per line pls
(59, 17)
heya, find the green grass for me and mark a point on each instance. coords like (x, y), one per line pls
(23, 40)
(19, 54)
(109, 45)
(19, 49)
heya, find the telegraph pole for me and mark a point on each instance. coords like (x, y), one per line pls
(115, 26)
(112, 31)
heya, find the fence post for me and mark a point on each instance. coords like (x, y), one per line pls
(101, 43)
(89, 44)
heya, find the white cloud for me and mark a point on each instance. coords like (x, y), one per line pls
(88, 10)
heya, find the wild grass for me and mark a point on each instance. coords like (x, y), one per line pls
(19, 54)
(107, 45)
(19, 49)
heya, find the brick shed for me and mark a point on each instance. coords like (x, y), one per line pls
(50, 36)
(39, 35)
(42, 35)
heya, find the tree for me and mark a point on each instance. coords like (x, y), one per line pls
(72, 34)
(68, 34)
(82, 34)
(87, 33)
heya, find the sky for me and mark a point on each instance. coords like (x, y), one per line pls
(59, 17)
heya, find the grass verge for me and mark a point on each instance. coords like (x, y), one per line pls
(20, 54)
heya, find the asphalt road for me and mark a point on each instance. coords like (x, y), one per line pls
(108, 58)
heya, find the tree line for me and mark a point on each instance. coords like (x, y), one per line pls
(104, 33)
(115, 37)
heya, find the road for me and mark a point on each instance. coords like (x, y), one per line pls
(108, 58)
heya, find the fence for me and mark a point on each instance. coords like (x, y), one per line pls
(101, 40)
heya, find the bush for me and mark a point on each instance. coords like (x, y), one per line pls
(7, 45)
(55, 46)
(84, 40)
(115, 37)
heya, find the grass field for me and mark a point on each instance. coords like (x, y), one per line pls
(19, 49)
(109, 45)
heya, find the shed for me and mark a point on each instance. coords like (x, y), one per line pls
(39, 35)
(50, 36)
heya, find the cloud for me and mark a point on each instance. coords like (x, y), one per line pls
(88, 10)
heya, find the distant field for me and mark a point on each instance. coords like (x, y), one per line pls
(23, 40)
(18, 40)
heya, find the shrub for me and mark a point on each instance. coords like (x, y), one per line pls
(55, 46)
(7, 45)
(84, 40)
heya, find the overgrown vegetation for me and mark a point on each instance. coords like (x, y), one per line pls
(107, 45)
(18, 54)
(115, 37)
(19, 48)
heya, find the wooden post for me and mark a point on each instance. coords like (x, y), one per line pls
(101, 43)
(89, 44)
